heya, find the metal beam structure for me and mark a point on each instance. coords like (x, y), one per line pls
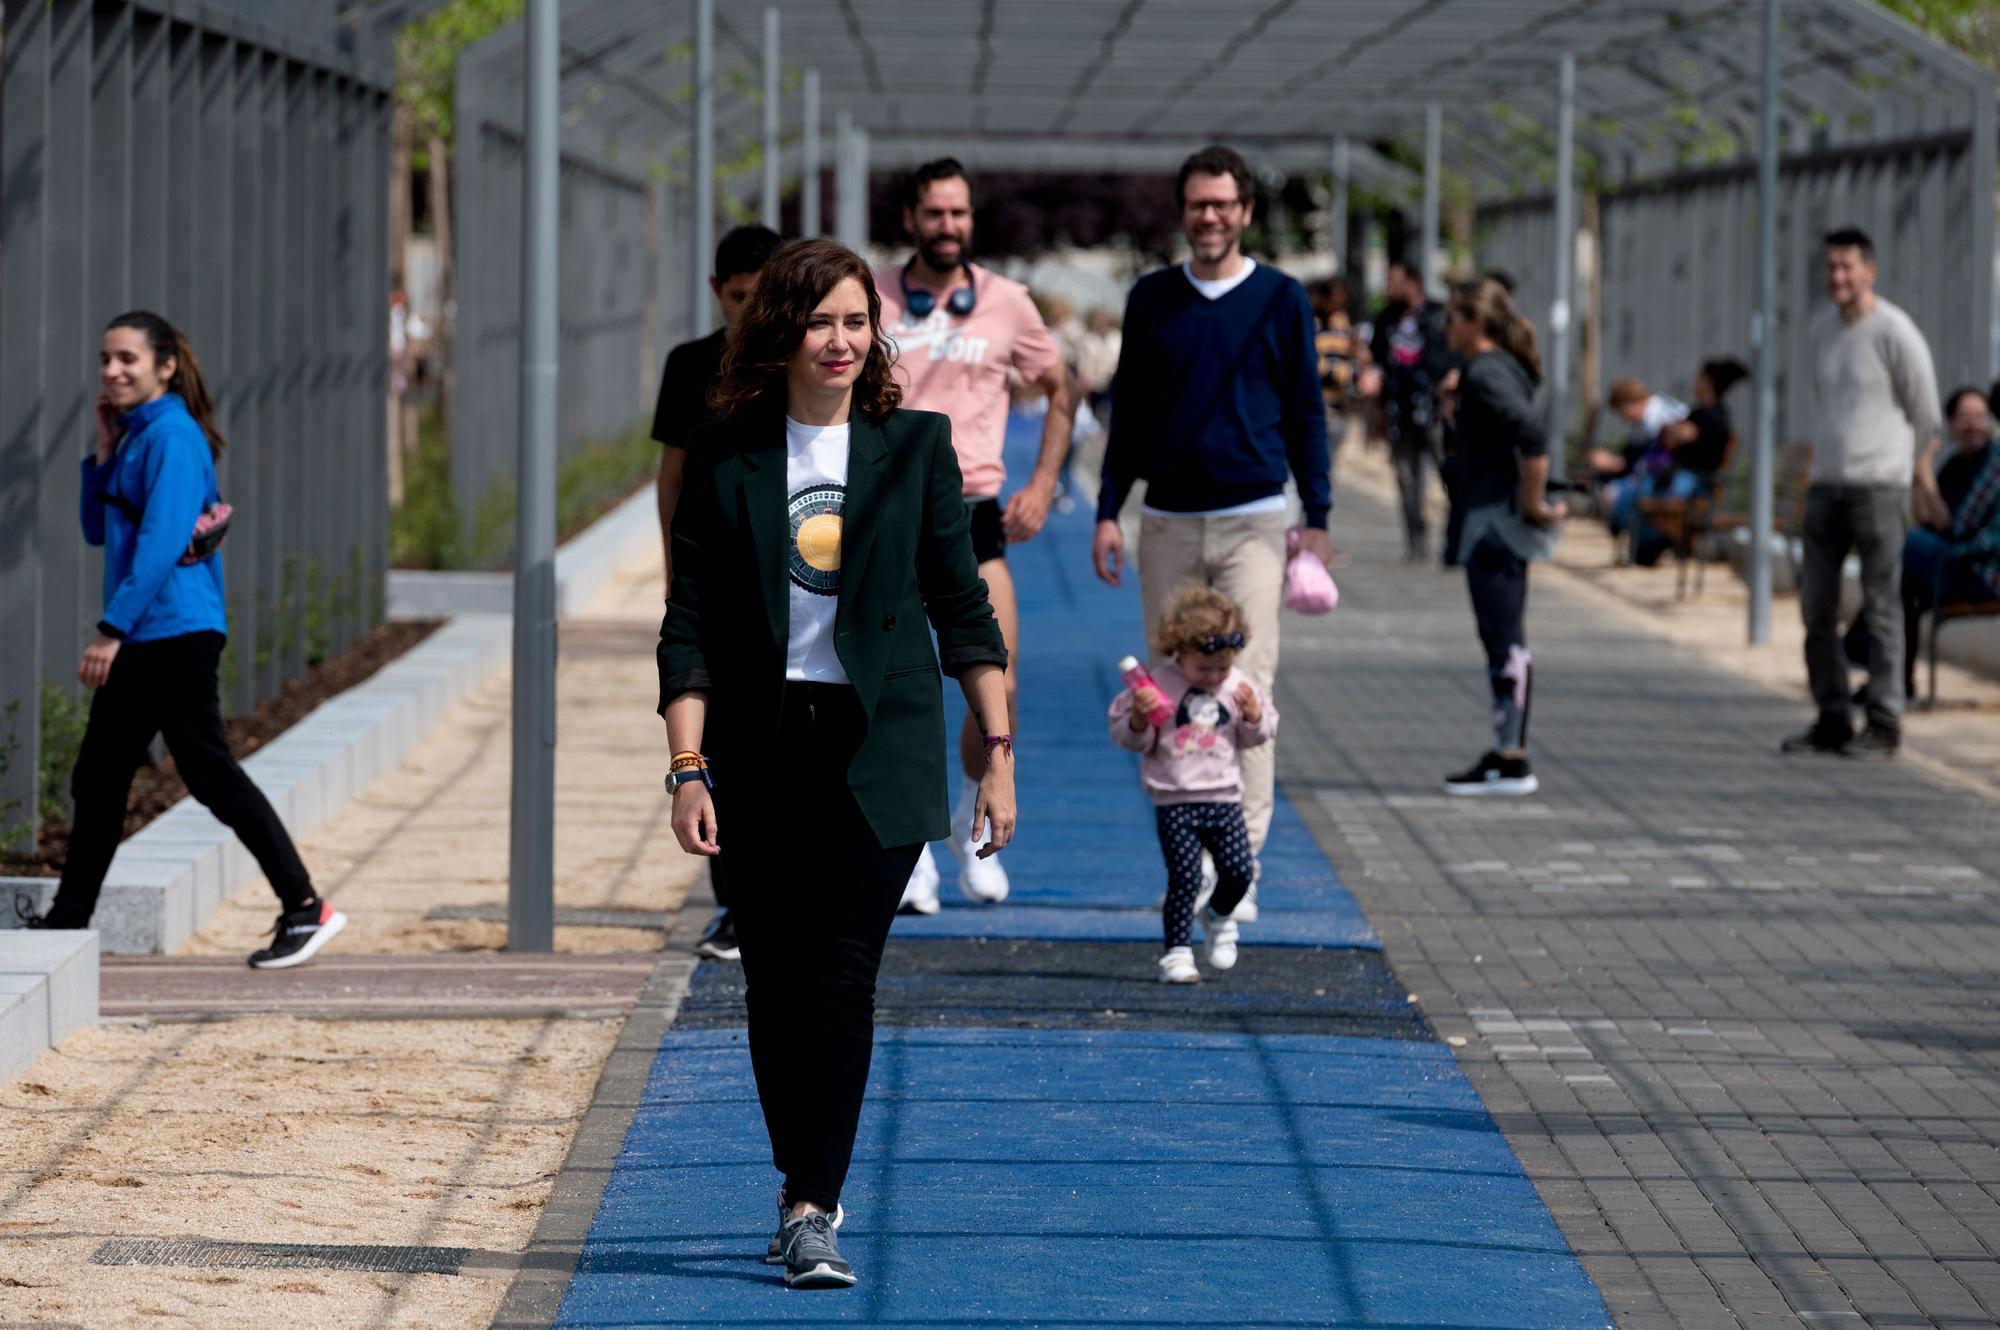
(1565, 261)
(771, 85)
(1764, 461)
(1343, 175)
(701, 234)
(1433, 166)
(809, 169)
(531, 849)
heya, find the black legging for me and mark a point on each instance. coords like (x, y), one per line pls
(1498, 580)
(813, 895)
(165, 687)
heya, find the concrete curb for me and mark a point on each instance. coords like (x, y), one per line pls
(169, 878)
(48, 987)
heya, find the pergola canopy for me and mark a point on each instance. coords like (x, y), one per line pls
(1133, 84)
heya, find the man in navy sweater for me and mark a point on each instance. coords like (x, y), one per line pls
(1219, 400)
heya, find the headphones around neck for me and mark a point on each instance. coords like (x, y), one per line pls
(920, 302)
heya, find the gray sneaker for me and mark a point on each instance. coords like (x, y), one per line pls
(775, 1253)
(812, 1257)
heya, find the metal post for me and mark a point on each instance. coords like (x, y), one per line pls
(702, 233)
(1559, 311)
(1764, 334)
(809, 172)
(1433, 149)
(771, 116)
(843, 177)
(531, 826)
(1337, 214)
(1985, 269)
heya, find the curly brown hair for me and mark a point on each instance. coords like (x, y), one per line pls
(773, 323)
(1195, 614)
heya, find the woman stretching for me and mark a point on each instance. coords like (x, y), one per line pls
(820, 528)
(155, 657)
(1503, 473)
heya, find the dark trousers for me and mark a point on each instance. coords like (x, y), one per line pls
(1498, 580)
(1868, 519)
(1185, 831)
(813, 896)
(166, 687)
(1930, 579)
(1416, 450)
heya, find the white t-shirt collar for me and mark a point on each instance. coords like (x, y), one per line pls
(1218, 287)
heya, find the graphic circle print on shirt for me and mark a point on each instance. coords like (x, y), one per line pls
(814, 556)
(1199, 720)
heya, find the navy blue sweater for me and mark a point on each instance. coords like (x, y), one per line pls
(1217, 399)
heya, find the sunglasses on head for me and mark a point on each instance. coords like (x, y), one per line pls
(1208, 646)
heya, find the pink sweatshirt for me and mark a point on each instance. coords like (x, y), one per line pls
(1193, 761)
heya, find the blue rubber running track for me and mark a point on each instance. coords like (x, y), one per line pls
(1097, 1176)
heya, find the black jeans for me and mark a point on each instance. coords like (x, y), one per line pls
(813, 895)
(1415, 449)
(1868, 519)
(1498, 580)
(165, 687)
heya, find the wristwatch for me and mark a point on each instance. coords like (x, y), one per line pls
(687, 776)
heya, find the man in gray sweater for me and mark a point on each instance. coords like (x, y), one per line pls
(1875, 410)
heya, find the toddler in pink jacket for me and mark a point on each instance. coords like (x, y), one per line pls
(1190, 768)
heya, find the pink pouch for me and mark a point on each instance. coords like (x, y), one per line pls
(1309, 587)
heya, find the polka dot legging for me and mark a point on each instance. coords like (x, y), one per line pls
(1185, 831)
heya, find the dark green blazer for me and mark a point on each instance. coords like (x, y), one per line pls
(907, 568)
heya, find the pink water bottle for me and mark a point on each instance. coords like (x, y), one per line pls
(1137, 676)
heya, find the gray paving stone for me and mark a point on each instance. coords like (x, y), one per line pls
(1771, 1093)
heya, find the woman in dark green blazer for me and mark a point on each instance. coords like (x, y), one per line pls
(821, 538)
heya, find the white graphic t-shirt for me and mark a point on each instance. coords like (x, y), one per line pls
(958, 365)
(816, 480)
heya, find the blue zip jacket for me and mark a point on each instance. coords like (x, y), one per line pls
(164, 470)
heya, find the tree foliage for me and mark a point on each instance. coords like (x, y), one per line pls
(1973, 26)
(427, 54)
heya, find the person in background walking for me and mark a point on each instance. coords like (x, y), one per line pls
(1414, 357)
(1220, 400)
(689, 377)
(156, 656)
(1342, 356)
(1875, 408)
(958, 329)
(822, 539)
(1502, 484)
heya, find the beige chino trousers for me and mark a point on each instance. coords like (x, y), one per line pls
(1243, 558)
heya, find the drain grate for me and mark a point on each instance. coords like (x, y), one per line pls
(609, 917)
(209, 1254)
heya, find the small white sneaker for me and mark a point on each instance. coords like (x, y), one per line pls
(982, 880)
(1220, 934)
(1246, 909)
(1177, 967)
(920, 896)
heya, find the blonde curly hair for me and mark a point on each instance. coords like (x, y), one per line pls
(1195, 614)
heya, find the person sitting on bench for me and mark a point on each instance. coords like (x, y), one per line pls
(1952, 556)
(1684, 463)
(1644, 414)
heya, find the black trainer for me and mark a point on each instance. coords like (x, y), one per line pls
(775, 1253)
(718, 940)
(26, 913)
(1826, 736)
(1876, 744)
(298, 936)
(1494, 776)
(812, 1256)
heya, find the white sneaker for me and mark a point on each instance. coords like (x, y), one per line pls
(1220, 933)
(1246, 909)
(982, 880)
(920, 896)
(1177, 967)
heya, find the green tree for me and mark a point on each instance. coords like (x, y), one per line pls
(1973, 26)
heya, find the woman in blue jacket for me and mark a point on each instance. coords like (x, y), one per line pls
(155, 657)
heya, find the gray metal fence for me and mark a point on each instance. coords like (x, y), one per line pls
(226, 165)
(621, 300)
(1678, 264)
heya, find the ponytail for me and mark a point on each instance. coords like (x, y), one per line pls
(170, 343)
(1486, 303)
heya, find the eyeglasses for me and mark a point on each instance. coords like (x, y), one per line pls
(1221, 208)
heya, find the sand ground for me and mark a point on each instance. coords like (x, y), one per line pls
(356, 1132)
